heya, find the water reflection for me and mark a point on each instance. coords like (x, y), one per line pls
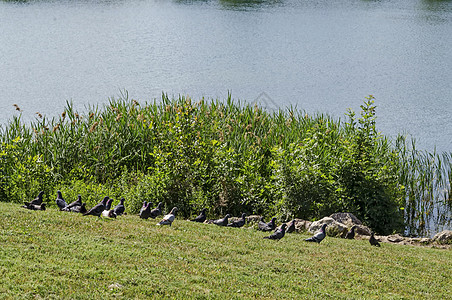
(437, 5)
(249, 4)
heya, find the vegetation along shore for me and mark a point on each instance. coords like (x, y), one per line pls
(230, 158)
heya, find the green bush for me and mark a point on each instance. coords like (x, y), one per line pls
(226, 156)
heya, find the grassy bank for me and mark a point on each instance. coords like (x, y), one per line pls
(227, 156)
(53, 254)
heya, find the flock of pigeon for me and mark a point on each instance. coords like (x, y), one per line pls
(104, 209)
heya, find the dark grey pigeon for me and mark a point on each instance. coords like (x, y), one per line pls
(318, 237)
(222, 222)
(77, 202)
(266, 226)
(169, 218)
(42, 206)
(120, 208)
(108, 205)
(60, 201)
(278, 234)
(156, 211)
(98, 209)
(201, 217)
(79, 209)
(351, 234)
(145, 211)
(239, 223)
(373, 241)
(291, 227)
(36, 201)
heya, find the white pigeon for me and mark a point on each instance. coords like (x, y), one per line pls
(169, 218)
(109, 214)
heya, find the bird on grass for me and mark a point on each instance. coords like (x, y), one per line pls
(79, 208)
(266, 226)
(239, 223)
(120, 208)
(278, 234)
(291, 228)
(156, 211)
(351, 234)
(108, 204)
(169, 218)
(223, 221)
(77, 202)
(373, 241)
(36, 201)
(318, 237)
(110, 214)
(97, 209)
(61, 203)
(145, 210)
(201, 217)
(41, 206)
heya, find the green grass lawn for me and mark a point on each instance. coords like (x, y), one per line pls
(52, 254)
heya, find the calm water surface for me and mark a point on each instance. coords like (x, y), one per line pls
(320, 55)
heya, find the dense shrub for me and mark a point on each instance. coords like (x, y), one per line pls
(226, 156)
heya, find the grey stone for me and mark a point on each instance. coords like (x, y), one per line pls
(395, 238)
(334, 228)
(346, 218)
(443, 237)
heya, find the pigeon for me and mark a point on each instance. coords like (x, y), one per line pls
(77, 202)
(108, 205)
(266, 226)
(373, 241)
(79, 208)
(35, 201)
(156, 211)
(109, 214)
(169, 218)
(120, 208)
(291, 227)
(97, 209)
(351, 234)
(201, 217)
(278, 234)
(222, 222)
(239, 223)
(145, 210)
(41, 206)
(60, 201)
(318, 237)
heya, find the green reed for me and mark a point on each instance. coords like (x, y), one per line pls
(228, 156)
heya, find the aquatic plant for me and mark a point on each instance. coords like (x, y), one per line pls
(229, 156)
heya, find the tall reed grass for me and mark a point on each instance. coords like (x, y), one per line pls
(230, 157)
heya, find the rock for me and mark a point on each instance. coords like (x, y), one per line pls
(346, 218)
(362, 230)
(419, 241)
(334, 228)
(253, 219)
(395, 238)
(351, 220)
(425, 241)
(443, 237)
(302, 225)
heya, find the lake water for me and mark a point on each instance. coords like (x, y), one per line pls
(318, 55)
